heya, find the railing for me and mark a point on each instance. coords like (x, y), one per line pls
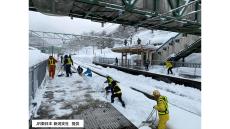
(167, 42)
(136, 64)
(177, 64)
(36, 76)
(191, 65)
(139, 64)
(191, 46)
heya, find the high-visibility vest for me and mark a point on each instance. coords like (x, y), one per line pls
(165, 101)
(116, 89)
(168, 64)
(69, 61)
(51, 62)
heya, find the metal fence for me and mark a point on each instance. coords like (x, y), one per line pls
(136, 64)
(177, 64)
(139, 64)
(36, 76)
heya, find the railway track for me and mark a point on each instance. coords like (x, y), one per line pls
(160, 77)
(102, 75)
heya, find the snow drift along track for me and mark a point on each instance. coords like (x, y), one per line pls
(102, 75)
(167, 79)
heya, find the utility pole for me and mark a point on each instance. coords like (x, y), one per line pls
(101, 47)
(93, 49)
(131, 39)
(52, 50)
(43, 45)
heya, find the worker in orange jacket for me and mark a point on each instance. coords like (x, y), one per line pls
(51, 66)
(162, 108)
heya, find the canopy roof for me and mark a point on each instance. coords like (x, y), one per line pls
(135, 49)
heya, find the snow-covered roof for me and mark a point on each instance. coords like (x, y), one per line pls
(134, 49)
(147, 36)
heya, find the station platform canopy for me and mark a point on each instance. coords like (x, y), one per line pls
(135, 49)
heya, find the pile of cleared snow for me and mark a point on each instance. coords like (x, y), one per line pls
(35, 56)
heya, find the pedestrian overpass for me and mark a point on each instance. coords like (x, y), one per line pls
(183, 16)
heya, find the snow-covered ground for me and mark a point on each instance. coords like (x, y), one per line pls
(178, 71)
(184, 102)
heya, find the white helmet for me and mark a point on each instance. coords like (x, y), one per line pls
(156, 93)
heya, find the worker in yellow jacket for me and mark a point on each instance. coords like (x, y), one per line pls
(169, 66)
(162, 108)
(109, 87)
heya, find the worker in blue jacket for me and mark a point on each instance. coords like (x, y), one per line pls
(88, 72)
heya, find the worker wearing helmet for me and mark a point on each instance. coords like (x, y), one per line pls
(67, 64)
(109, 81)
(169, 66)
(51, 66)
(162, 108)
(116, 92)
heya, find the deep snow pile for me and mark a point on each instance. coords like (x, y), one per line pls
(184, 102)
(36, 56)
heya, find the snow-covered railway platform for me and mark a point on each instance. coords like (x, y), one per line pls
(157, 76)
(74, 98)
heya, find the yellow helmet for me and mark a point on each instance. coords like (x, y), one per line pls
(156, 93)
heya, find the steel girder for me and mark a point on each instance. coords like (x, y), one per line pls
(125, 12)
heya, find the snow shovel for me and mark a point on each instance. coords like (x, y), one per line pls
(72, 70)
(60, 75)
(59, 69)
(149, 122)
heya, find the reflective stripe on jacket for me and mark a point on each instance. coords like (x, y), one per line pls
(51, 62)
(116, 89)
(162, 105)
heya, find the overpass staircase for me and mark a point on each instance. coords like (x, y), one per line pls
(177, 47)
(192, 48)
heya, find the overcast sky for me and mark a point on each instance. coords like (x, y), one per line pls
(41, 22)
